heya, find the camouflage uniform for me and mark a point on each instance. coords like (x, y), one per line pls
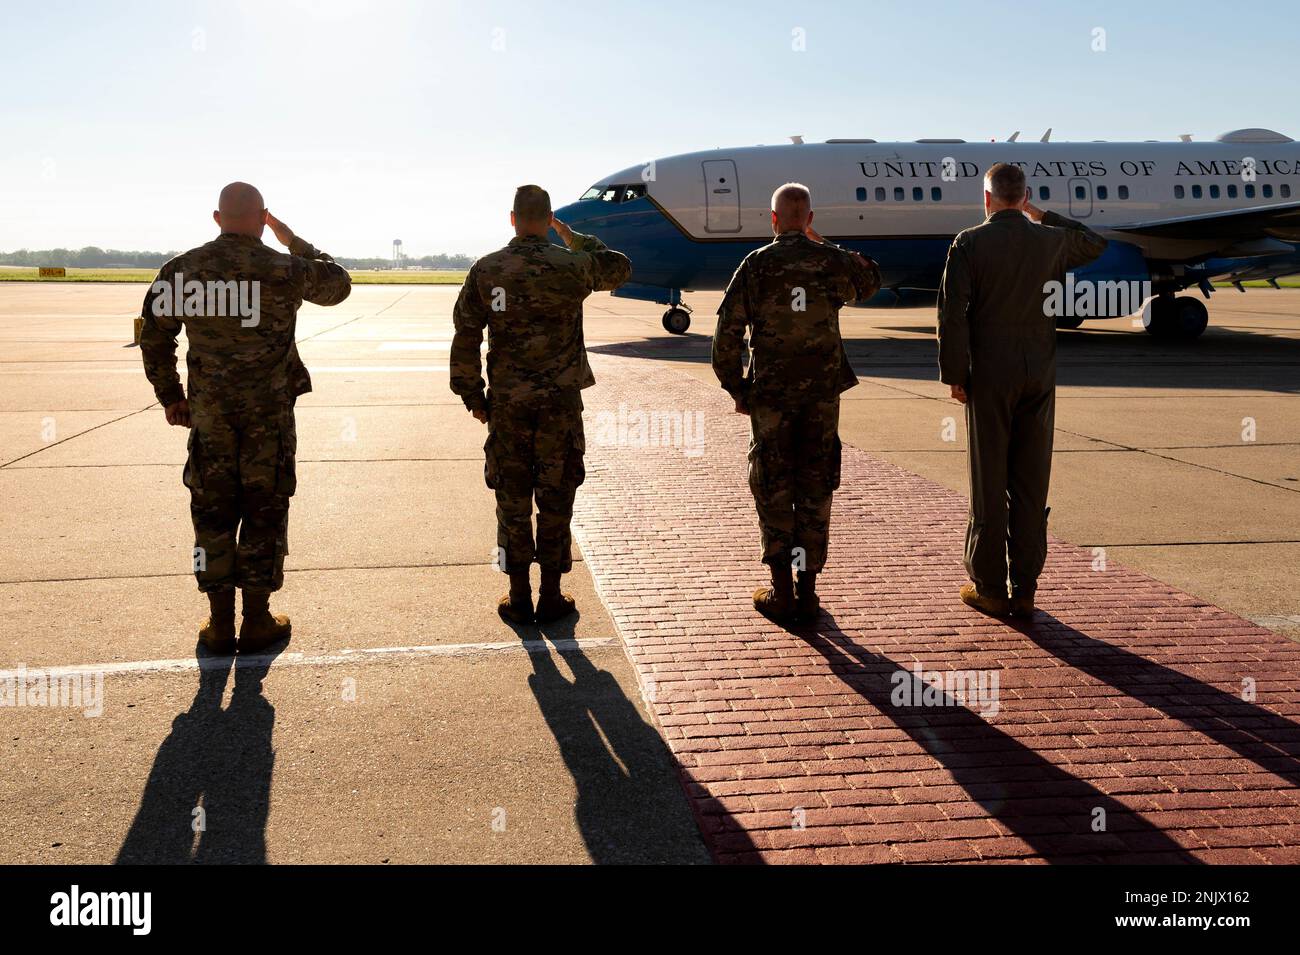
(797, 370)
(529, 298)
(996, 341)
(243, 382)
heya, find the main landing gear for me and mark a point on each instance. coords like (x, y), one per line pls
(1182, 317)
(677, 319)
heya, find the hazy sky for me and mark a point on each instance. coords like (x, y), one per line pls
(365, 122)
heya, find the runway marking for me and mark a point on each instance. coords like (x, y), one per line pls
(416, 345)
(316, 370)
(361, 655)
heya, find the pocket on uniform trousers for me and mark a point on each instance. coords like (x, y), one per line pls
(836, 455)
(758, 469)
(575, 470)
(286, 464)
(192, 476)
(491, 471)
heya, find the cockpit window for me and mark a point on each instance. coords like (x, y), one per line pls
(615, 193)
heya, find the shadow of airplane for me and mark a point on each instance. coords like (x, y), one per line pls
(629, 806)
(218, 761)
(1268, 740)
(1224, 358)
(1048, 808)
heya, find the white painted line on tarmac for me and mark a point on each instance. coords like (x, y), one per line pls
(315, 370)
(362, 655)
(416, 346)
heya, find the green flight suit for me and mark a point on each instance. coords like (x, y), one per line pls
(997, 340)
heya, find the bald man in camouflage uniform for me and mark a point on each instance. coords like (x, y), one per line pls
(788, 295)
(997, 354)
(529, 297)
(244, 376)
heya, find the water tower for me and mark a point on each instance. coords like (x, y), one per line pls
(397, 253)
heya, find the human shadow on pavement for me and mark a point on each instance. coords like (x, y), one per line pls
(1270, 741)
(1049, 809)
(215, 760)
(629, 807)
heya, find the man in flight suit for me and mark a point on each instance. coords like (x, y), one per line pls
(997, 352)
(244, 376)
(788, 295)
(529, 297)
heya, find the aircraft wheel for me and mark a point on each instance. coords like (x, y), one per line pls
(1068, 323)
(1192, 317)
(1158, 316)
(677, 320)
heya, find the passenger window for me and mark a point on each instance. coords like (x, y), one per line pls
(1286, 191)
(1179, 192)
(862, 193)
(880, 193)
(1044, 193)
(1268, 191)
(1102, 192)
(1250, 190)
(1232, 190)
(1214, 191)
(898, 193)
(1079, 192)
(936, 194)
(1123, 192)
(917, 193)
(1197, 192)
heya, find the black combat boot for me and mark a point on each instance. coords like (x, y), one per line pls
(517, 606)
(260, 628)
(776, 603)
(808, 603)
(218, 633)
(552, 605)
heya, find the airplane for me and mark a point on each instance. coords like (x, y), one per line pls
(1178, 214)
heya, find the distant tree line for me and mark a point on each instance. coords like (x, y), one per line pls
(92, 257)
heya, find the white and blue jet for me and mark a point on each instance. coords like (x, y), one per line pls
(1178, 215)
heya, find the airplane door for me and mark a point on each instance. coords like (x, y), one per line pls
(1080, 198)
(721, 196)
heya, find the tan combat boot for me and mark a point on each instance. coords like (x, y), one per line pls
(808, 604)
(218, 633)
(776, 603)
(552, 605)
(517, 606)
(260, 628)
(993, 606)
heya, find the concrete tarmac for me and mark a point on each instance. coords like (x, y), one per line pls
(405, 722)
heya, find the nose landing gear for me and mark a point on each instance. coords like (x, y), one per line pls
(677, 319)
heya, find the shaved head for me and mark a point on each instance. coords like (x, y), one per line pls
(240, 209)
(791, 207)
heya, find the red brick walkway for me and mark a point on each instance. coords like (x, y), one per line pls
(1121, 705)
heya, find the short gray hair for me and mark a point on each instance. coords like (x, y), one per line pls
(791, 192)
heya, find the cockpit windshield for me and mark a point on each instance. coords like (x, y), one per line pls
(614, 192)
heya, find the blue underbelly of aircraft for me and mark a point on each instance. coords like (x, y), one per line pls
(663, 257)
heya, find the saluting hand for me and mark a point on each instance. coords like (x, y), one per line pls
(1034, 213)
(562, 230)
(283, 234)
(480, 414)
